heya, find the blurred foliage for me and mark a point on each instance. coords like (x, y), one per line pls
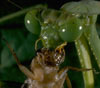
(23, 44)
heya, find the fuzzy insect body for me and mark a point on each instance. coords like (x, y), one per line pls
(45, 67)
(47, 77)
(44, 71)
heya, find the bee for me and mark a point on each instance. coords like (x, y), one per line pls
(44, 71)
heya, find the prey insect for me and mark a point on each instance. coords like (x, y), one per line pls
(44, 71)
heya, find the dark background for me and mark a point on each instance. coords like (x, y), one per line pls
(27, 3)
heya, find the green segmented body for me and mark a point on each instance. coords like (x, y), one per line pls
(93, 39)
(84, 57)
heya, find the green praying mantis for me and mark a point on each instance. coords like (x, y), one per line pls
(74, 22)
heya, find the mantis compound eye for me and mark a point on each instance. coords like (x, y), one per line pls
(32, 23)
(71, 29)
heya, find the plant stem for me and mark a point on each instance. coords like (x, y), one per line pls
(84, 57)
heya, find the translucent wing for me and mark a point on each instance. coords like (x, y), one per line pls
(88, 7)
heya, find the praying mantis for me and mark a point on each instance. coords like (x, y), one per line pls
(74, 22)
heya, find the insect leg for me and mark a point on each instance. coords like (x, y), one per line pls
(63, 71)
(60, 82)
(25, 70)
(78, 69)
(36, 43)
(62, 74)
(60, 47)
(68, 82)
(15, 4)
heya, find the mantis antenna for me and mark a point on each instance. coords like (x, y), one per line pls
(15, 4)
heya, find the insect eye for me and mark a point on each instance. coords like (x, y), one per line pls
(71, 29)
(32, 23)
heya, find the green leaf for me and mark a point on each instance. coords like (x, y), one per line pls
(23, 46)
